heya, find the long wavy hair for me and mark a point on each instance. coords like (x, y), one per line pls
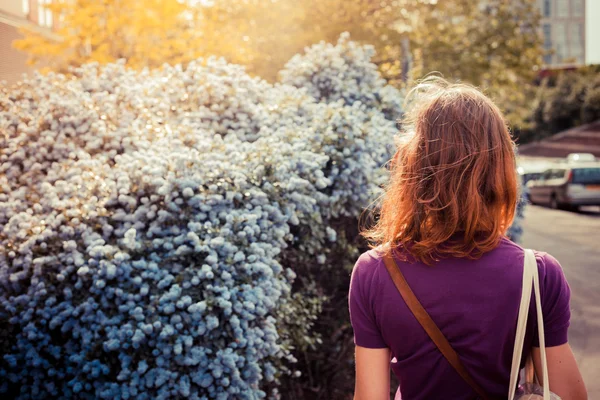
(453, 189)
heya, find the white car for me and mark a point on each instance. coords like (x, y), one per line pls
(567, 186)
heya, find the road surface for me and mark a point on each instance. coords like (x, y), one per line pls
(574, 239)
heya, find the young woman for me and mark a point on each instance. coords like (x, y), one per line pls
(450, 200)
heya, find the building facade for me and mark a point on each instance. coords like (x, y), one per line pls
(15, 14)
(563, 29)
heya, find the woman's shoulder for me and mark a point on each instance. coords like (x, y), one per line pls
(552, 276)
(369, 270)
(545, 261)
(369, 261)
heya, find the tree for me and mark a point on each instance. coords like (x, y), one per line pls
(590, 111)
(562, 110)
(563, 100)
(266, 34)
(493, 44)
(147, 34)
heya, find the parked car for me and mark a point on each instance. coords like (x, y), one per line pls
(532, 169)
(567, 186)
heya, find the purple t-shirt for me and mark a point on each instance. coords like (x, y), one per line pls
(475, 304)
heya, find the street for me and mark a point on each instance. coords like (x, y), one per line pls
(574, 240)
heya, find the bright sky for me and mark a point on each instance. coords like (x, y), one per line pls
(593, 32)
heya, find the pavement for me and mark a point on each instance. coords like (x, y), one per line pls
(574, 240)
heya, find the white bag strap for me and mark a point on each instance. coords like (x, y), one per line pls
(540, 319)
(521, 323)
(530, 278)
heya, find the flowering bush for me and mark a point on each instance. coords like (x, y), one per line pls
(145, 217)
(153, 223)
(343, 72)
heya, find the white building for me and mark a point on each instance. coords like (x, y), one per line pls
(592, 32)
(564, 31)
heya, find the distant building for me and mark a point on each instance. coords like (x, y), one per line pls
(563, 29)
(15, 14)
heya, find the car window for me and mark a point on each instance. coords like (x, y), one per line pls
(546, 175)
(586, 176)
(531, 177)
(557, 174)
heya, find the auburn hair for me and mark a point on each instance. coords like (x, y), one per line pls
(453, 188)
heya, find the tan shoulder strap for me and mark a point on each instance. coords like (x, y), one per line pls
(427, 323)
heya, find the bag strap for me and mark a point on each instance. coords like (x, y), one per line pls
(529, 265)
(541, 337)
(428, 324)
(530, 281)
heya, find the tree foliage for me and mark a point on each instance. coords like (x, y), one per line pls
(493, 44)
(146, 33)
(590, 110)
(563, 100)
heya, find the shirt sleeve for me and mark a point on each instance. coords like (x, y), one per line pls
(366, 332)
(556, 296)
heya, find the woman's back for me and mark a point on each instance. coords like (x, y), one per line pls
(450, 199)
(474, 303)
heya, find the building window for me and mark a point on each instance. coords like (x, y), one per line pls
(560, 41)
(562, 8)
(547, 8)
(41, 15)
(26, 9)
(576, 38)
(49, 21)
(576, 33)
(547, 36)
(577, 7)
(45, 17)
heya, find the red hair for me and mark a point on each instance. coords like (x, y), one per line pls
(453, 184)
